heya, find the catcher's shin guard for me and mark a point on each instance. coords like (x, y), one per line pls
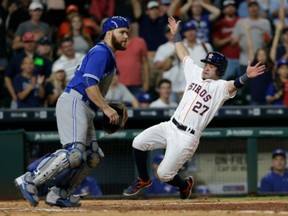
(71, 179)
(51, 165)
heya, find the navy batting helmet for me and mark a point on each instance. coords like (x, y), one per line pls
(217, 59)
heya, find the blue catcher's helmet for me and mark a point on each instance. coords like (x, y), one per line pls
(217, 59)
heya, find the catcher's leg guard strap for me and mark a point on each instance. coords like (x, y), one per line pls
(55, 163)
(94, 154)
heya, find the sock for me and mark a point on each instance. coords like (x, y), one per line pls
(140, 158)
(179, 182)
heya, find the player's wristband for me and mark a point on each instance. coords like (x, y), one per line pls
(177, 37)
(241, 81)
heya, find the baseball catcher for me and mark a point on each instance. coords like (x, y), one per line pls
(121, 109)
(75, 111)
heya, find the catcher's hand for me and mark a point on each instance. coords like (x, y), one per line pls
(121, 109)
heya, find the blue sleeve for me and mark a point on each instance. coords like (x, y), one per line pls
(96, 65)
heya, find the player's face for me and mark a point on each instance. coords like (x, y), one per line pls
(209, 72)
(119, 38)
(279, 163)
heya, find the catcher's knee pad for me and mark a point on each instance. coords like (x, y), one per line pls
(94, 154)
(51, 165)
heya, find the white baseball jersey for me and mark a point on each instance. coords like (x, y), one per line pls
(200, 102)
(201, 99)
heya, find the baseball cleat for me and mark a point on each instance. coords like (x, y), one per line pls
(27, 188)
(54, 198)
(136, 187)
(185, 194)
(68, 202)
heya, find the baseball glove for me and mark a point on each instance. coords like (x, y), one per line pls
(121, 109)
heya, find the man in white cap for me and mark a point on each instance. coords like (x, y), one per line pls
(34, 24)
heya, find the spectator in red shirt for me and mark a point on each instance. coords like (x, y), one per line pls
(133, 64)
(222, 31)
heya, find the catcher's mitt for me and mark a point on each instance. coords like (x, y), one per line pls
(121, 109)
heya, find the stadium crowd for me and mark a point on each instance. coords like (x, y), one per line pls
(43, 41)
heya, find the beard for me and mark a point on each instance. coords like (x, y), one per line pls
(116, 44)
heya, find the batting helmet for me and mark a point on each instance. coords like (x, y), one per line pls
(217, 59)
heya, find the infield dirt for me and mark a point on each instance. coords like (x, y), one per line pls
(155, 207)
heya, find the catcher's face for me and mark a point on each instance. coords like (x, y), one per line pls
(119, 38)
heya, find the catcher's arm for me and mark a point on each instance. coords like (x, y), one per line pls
(95, 95)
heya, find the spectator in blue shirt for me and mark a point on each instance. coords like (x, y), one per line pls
(276, 181)
(159, 187)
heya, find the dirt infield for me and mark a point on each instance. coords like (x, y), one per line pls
(161, 207)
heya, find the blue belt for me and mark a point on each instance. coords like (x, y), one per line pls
(76, 94)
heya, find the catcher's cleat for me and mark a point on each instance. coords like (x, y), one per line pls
(64, 203)
(27, 188)
(136, 187)
(53, 198)
(185, 194)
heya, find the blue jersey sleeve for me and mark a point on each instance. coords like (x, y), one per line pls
(96, 65)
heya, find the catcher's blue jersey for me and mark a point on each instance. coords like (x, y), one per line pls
(98, 63)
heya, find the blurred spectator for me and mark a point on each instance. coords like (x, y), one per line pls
(55, 14)
(55, 85)
(4, 96)
(42, 65)
(222, 36)
(276, 181)
(28, 88)
(34, 24)
(193, 10)
(260, 84)
(18, 13)
(81, 38)
(258, 28)
(242, 10)
(133, 64)
(69, 59)
(144, 100)
(251, 33)
(159, 187)
(89, 25)
(197, 49)
(123, 8)
(89, 187)
(274, 9)
(277, 89)
(120, 93)
(152, 20)
(101, 9)
(279, 48)
(164, 91)
(3, 53)
(168, 63)
(44, 48)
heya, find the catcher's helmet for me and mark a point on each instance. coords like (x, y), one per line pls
(217, 59)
